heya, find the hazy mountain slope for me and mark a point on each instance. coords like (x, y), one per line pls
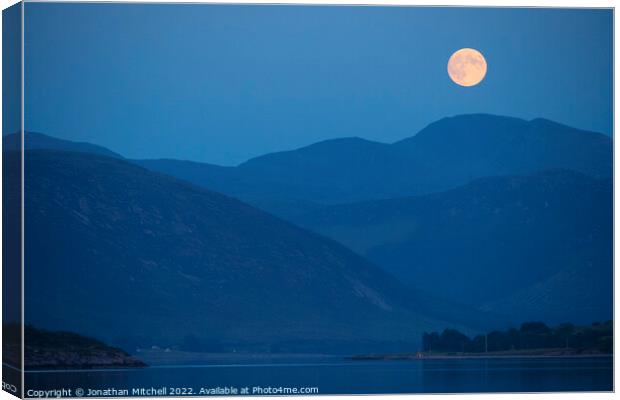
(121, 253)
(496, 238)
(33, 140)
(466, 147)
(448, 153)
(339, 170)
(444, 155)
(335, 170)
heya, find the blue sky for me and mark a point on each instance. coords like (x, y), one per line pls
(221, 84)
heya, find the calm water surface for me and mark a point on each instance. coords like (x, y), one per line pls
(337, 376)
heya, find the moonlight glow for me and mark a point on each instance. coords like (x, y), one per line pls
(467, 67)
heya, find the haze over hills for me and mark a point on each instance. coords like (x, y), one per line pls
(128, 255)
(448, 153)
(533, 247)
(466, 147)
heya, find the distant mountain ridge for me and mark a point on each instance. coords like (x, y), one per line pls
(447, 153)
(480, 145)
(34, 140)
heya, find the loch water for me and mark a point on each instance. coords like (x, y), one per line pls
(335, 375)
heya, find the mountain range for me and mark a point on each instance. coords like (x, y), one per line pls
(477, 221)
(535, 241)
(448, 153)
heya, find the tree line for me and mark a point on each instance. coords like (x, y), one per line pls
(531, 335)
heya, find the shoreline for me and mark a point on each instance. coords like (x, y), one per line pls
(465, 356)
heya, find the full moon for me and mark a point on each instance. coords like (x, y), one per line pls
(467, 67)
